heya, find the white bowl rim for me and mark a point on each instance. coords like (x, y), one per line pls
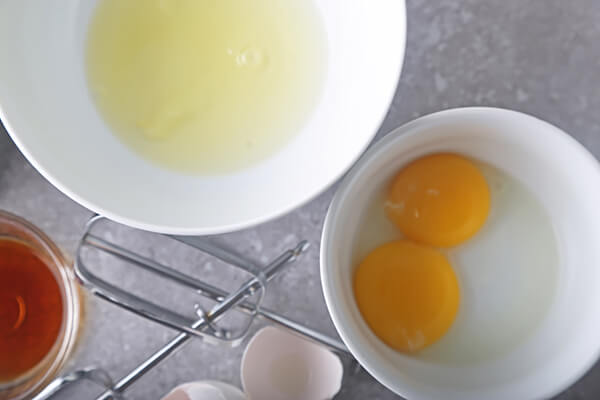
(409, 129)
(90, 204)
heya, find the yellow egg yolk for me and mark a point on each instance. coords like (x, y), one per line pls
(440, 199)
(407, 293)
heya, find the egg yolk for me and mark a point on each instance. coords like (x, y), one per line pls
(407, 293)
(441, 200)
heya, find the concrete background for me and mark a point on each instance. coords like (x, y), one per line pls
(538, 56)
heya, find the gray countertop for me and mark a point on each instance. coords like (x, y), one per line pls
(537, 56)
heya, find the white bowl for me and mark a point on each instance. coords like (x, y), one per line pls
(46, 108)
(566, 179)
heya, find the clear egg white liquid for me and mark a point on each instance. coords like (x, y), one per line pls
(204, 86)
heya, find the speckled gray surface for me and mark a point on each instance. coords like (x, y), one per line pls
(538, 56)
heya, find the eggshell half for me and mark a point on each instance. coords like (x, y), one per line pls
(278, 365)
(205, 390)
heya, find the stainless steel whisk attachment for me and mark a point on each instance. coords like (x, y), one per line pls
(205, 325)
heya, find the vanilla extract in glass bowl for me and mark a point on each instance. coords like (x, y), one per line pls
(40, 308)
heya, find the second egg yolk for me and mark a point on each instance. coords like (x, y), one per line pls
(407, 293)
(441, 200)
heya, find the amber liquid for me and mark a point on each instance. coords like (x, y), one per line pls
(31, 309)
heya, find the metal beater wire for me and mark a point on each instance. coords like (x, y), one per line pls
(230, 301)
(187, 326)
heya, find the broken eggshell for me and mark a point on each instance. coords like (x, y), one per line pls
(278, 365)
(205, 390)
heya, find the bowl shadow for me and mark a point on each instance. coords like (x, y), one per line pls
(8, 151)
